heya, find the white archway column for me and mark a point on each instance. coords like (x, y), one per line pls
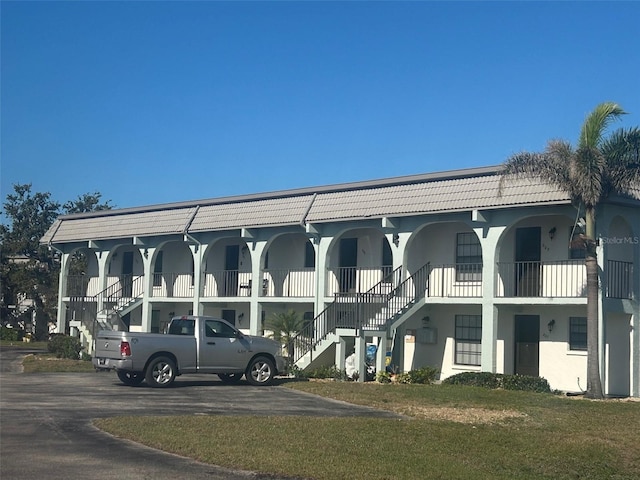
(62, 292)
(256, 249)
(322, 250)
(148, 258)
(489, 238)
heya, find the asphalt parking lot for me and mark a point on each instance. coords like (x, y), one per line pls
(46, 431)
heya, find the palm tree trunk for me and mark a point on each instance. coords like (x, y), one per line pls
(594, 384)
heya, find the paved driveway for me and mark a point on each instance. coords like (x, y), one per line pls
(46, 432)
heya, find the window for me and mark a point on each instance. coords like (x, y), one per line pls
(157, 270)
(468, 258)
(468, 338)
(309, 255)
(216, 328)
(577, 333)
(182, 327)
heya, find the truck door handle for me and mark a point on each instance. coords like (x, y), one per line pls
(211, 343)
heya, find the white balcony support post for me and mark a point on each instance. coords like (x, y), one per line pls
(62, 292)
(361, 354)
(255, 311)
(148, 258)
(381, 354)
(341, 348)
(322, 249)
(197, 251)
(489, 237)
(103, 277)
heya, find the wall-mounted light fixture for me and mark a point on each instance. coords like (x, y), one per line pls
(552, 233)
(171, 314)
(551, 324)
(240, 317)
(396, 239)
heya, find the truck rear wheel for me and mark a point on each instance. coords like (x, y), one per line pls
(260, 371)
(130, 378)
(161, 372)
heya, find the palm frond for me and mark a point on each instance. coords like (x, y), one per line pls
(597, 122)
(550, 166)
(622, 153)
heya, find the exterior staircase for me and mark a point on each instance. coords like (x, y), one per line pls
(380, 309)
(104, 311)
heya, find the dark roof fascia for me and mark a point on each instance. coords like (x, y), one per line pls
(387, 182)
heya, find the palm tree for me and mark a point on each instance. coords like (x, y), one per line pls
(598, 167)
(285, 326)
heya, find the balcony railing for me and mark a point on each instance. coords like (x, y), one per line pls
(227, 283)
(619, 279)
(288, 283)
(458, 280)
(354, 279)
(560, 279)
(173, 285)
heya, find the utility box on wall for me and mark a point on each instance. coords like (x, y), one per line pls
(427, 335)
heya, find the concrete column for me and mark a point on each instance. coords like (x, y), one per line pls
(255, 309)
(489, 237)
(197, 251)
(322, 248)
(148, 259)
(62, 292)
(103, 276)
(361, 352)
(341, 354)
(381, 354)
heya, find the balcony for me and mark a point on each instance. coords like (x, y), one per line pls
(560, 279)
(288, 283)
(173, 285)
(227, 283)
(455, 281)
(345, 280)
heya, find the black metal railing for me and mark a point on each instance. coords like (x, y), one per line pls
(559, 279)
(619, 276)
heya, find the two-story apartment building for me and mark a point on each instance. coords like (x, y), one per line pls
(435, 269)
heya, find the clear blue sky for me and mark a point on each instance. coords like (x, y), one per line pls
(154, 102)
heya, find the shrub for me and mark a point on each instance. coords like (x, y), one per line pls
(424, 375)
(321, 372)
(64, 346)
(526, 383)
(404, 378)
(497, 380)
(10, 334)
(383, 377)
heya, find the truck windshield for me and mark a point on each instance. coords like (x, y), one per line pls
(182, 327)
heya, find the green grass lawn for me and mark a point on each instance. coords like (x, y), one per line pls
(448, 432)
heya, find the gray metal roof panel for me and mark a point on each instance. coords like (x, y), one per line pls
(260, 213)
(122, 225)
(429, 197)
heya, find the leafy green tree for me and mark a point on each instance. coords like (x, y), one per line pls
(599, 166)
(29, 270)
(285, 326)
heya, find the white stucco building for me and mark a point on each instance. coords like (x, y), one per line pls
(438, 269)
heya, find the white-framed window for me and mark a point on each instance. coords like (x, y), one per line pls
(578, 333)
(468, 337)
(468, 258)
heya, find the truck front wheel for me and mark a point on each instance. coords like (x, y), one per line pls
(130, 378)
(161, 372)
(260, 371)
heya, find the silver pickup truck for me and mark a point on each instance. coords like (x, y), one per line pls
(192, 344)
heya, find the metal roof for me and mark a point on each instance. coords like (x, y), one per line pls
(450, 191)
